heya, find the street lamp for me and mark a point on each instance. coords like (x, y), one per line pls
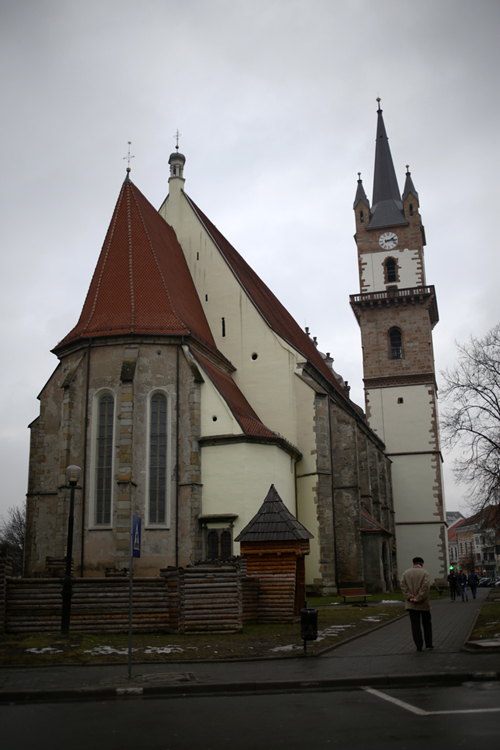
(72, 477)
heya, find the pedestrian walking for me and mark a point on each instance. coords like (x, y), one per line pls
(452, 580)
(416, 586)
(473, 580)
(462, 580)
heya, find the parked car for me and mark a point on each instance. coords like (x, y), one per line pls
(483, 582)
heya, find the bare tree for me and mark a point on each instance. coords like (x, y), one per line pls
(12, 536)
(471, 417)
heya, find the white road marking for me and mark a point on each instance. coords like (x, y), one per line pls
(421, 712)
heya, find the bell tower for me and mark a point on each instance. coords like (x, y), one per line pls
(397, 310)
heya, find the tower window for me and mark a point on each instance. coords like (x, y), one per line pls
(104, 459)
(391, 272)
(223, 327)
(158, 459)
(411, 209)
(361, 217)
(396, 343)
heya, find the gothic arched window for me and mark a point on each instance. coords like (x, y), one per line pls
(104, 459)
(158, 459)
(396, 342)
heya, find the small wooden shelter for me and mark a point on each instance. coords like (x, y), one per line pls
(274, 544)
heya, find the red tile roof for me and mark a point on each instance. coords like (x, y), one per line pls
(269, 306)
(141, 284)
(247, 418)
(452, 531)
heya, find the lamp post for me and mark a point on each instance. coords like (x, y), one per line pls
(72, 477)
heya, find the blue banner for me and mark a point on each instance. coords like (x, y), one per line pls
(136, 536)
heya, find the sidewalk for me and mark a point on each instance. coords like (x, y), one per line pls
(386, 656)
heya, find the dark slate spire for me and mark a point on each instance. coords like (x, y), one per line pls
(409, 188)
(273, 523)
(387, 208)
(360, 194)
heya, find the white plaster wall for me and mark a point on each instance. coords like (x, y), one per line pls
(248, 470)
(406, 426)
(306, 436)
(414, 480)
(268, 380)
(422, 541)
(307, 515)
(213, 405)
(373, 271)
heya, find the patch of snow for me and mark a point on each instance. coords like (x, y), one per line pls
(46, 650)
(291, 647)
(163, 650)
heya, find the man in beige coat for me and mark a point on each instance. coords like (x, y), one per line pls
(416, 585)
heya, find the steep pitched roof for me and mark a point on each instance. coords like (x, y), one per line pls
(268, 305)
(247, 418)
(273, 523)
(409, 186)
(141, 284)
(387, 207)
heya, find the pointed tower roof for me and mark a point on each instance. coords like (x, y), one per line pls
(273, 523)
(409, 187)
(141, 284)
(360, 194)
(387, 208)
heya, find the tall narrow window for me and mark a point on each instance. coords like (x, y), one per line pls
(391, 271)
(225, 544)
(158, 459)
(396, 343)
(212, 545)
(104, 463)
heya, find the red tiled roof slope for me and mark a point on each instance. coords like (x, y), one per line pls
(276, 315)
(247, 418)
(452, 531)
(141, 283)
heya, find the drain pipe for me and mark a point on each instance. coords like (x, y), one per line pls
(333, 493)
(84, 467)
(177, 418)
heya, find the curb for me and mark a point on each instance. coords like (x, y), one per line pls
(244, 688)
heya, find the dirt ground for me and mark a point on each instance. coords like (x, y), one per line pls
(336, 623)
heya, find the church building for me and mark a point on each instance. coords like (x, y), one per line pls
(184, 392)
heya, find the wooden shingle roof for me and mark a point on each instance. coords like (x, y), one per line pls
(273, 523)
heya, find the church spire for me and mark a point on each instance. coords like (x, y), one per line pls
(387, 209)
(360, 194)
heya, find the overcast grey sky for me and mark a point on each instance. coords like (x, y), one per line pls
(275, 100)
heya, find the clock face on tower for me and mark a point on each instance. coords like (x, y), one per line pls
(388, 240)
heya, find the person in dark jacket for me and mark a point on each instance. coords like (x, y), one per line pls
(452, 580)
(462, 580)
(473, 580)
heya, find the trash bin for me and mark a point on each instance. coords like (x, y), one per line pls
(308, 625)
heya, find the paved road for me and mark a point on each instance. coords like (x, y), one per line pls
(355, 719)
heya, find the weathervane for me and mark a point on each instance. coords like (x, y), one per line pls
(128, 157)
(177, 136)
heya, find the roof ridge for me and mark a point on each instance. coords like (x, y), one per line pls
(153, 253)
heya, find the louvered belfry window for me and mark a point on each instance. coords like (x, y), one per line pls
(104, 473)
(158, 459)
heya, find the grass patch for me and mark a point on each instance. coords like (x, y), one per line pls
(335, 624)
(488, 622)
